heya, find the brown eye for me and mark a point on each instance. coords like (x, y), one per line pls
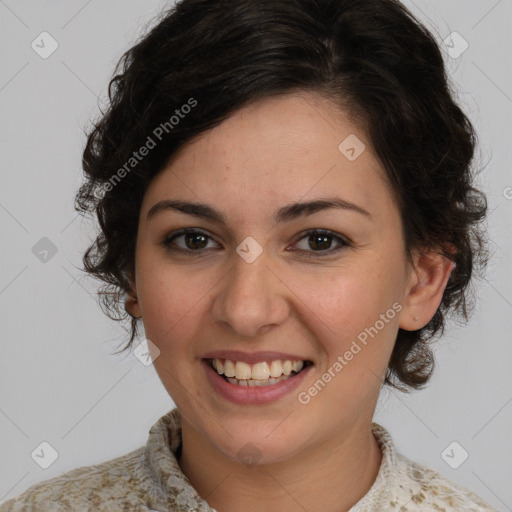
(190, 241)
(194, 240)
(320, 242)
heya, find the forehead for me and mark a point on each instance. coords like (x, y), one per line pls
(273, 151)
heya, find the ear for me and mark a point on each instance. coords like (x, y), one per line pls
(424, 292)
(131, 303)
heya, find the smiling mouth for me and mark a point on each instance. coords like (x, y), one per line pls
(265, 373)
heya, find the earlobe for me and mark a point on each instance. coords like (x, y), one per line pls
(425, 289)
(131, 304)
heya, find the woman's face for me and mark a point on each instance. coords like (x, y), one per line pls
(258, 288)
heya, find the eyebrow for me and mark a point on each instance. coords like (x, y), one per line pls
(284, 214)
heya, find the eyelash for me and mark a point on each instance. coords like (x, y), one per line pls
(309, 254)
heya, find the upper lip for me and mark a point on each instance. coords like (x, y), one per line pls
(252, 357)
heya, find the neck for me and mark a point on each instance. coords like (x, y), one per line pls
(332, 476)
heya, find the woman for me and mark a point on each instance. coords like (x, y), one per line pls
(285, 195)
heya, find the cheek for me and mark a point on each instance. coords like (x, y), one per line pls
(346, 302)
(355, 322)
(353, 315)
(170, 301)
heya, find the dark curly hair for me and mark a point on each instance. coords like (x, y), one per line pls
(372, 58)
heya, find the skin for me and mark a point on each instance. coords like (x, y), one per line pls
(318, 456)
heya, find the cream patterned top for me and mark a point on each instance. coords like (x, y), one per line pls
(150, 479)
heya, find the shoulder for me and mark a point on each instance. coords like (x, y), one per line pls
(423, 488)
(406, 486)
(118, 482)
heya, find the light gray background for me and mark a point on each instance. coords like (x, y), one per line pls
(58, 381)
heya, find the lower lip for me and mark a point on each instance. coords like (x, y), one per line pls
(255, 394)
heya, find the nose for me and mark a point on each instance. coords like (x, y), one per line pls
(251, 298)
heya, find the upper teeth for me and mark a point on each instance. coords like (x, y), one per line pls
(258, 371)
